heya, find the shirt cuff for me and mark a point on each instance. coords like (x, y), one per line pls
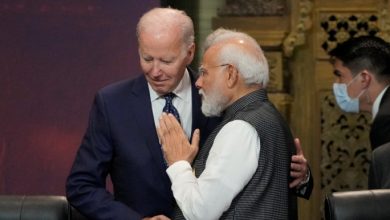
(178, 167)
(307, 178)
(302, 187)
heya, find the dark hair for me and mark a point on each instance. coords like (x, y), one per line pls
(365, 52)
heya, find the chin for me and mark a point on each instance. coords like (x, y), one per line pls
(161, 89)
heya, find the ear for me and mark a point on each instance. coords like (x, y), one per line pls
(232, 76)
(365, 78)
(190, 53)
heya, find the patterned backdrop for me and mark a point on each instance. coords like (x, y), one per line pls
(346, 150)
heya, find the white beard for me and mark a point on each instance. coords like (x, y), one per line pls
(213, 103)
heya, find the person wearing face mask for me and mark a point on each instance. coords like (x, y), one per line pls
(362, 69)
(345, 102)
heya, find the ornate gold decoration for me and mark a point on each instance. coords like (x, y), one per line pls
(346, 151)
(276, 82)
(304, 22)
(384, 20)
(338, 27)
(253, 8)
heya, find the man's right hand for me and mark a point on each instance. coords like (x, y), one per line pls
(299, 168)
(157, 217)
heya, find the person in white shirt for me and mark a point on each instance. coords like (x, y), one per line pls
(242, 170)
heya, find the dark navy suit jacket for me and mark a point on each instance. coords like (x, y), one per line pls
(121, 141)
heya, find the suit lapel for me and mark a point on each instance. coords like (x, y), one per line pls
(145, 122)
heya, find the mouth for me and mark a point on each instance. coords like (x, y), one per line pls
(159, 82)
(201, 95)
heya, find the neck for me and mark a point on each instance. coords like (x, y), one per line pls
(243, 91)
(367, 100)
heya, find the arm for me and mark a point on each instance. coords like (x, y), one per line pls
(86, 184)
(300, 172)
(372, 174)
(225, 175)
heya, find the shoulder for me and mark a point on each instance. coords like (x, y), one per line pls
(384, 106)
(382, 151)
(124, 86)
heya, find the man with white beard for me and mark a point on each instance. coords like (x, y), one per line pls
(242, 170)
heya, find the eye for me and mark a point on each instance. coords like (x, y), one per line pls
(147, 59)
(166, 61)
(202, 71)
(337, 73)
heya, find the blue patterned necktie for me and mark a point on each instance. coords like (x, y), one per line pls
(169, 108)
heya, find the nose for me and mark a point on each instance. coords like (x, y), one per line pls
(199, 82)
(156, 70)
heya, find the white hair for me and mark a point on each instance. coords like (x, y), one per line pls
(168, 18)
(246, 56)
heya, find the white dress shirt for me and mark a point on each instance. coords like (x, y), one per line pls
(182, 102)
(232, 161)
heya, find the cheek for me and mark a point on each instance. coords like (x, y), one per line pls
(207, 84)
(173, 71)
(146, 67)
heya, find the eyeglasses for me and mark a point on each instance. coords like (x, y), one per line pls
(203, 71)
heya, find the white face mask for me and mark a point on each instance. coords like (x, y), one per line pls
(345, 102)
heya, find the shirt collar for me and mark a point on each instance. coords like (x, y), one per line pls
(182, 91)
(377, 102)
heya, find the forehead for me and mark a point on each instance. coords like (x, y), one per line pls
(160, 44)
(210, 56)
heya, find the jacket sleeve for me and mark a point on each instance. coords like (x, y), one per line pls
(86, 183)
(304, 190)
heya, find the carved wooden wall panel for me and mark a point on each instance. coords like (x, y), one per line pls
(345, 147)
(336, 27)
(276, 76)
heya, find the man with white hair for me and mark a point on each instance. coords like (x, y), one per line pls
(242, 170)
(121, 140)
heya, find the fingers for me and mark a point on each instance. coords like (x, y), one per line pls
(297, 173)
(299, 159)
(296, 167)
(195, 138)
(163, 125)
(297, 143)
(160, 135)
(299, 164)
(194, 145)
(174, 142)
(157, 217)
(169, 123)
(294, 183)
